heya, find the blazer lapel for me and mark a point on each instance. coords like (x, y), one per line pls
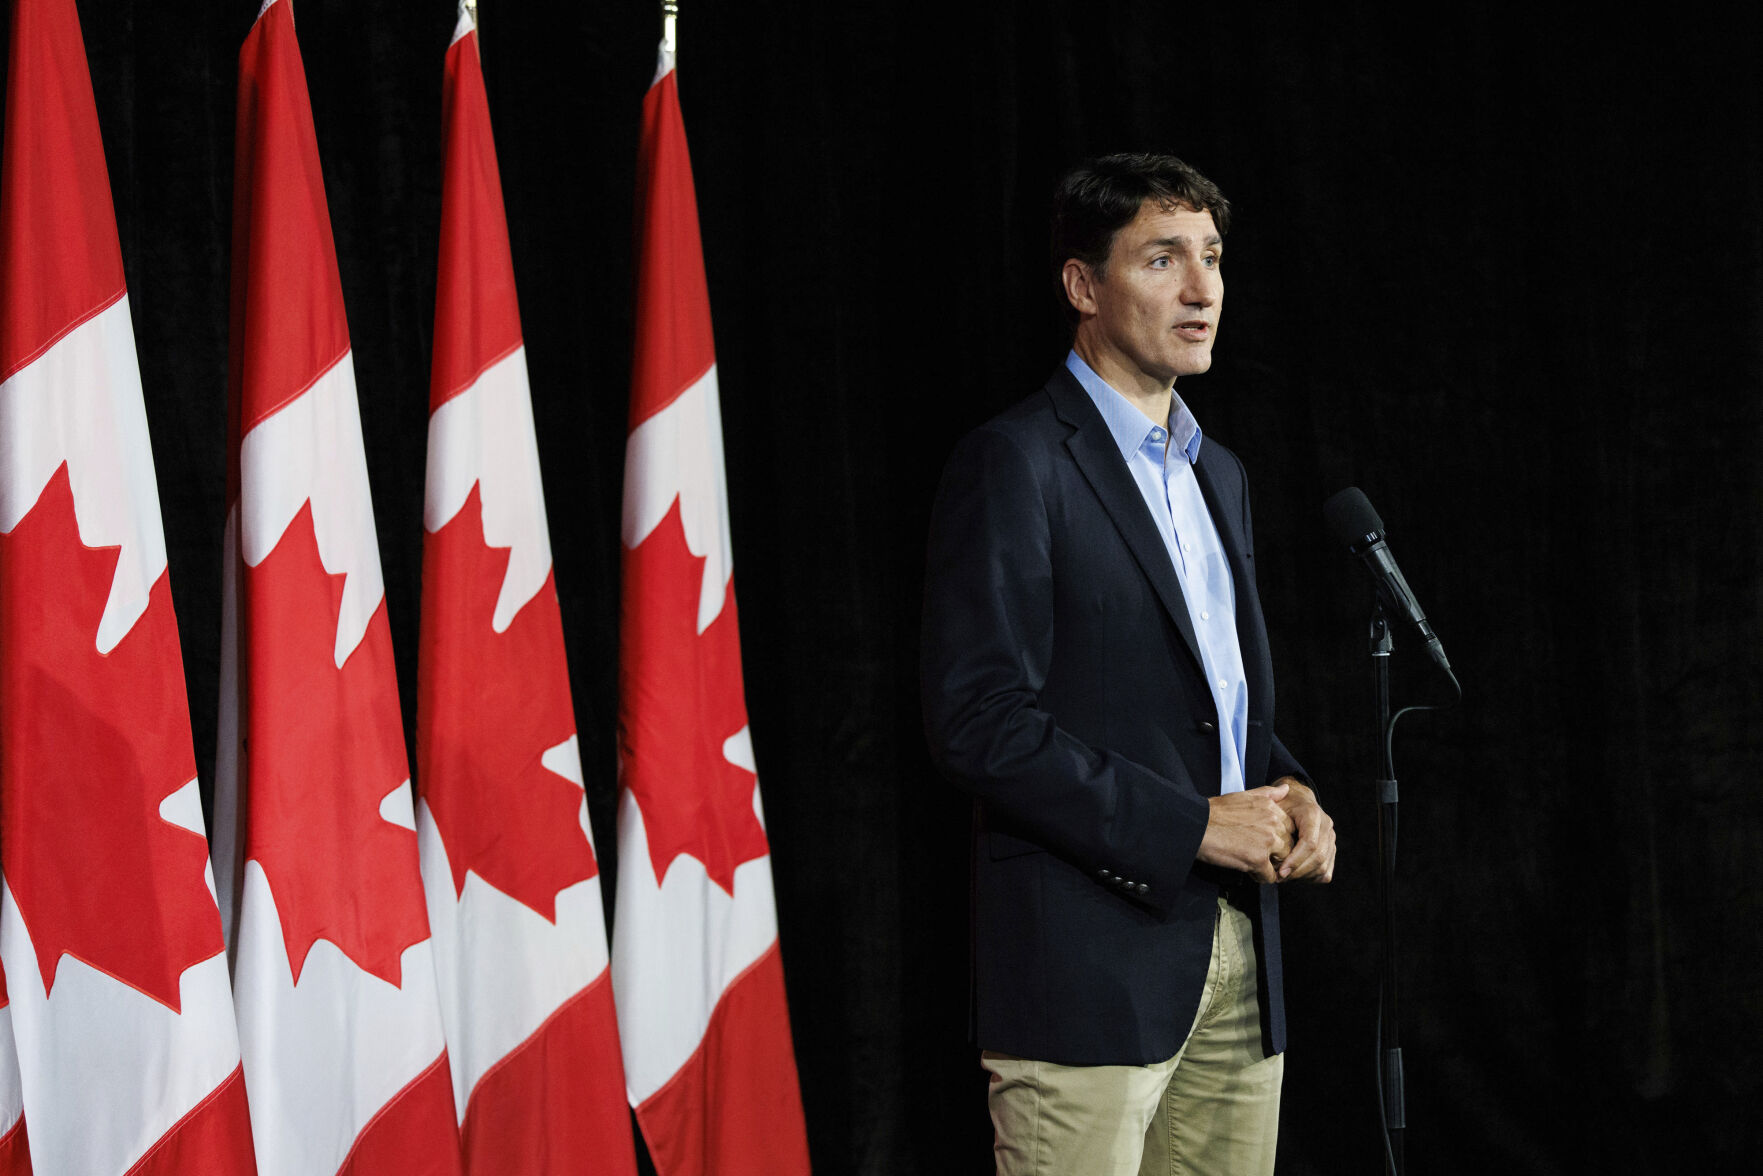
(1226, 509)
(1225, 515)
(1093, 448)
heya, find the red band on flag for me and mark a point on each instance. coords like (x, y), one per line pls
(60, 262)
(674, 343)
(474, 332)
(15, 1151)
(214, 1137)
(288, 326)
(734, 1108)
(555, 1104)
(413, 1134)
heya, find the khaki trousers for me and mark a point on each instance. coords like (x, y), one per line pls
(1211, 1110)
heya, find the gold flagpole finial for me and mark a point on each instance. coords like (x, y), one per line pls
(669, 15)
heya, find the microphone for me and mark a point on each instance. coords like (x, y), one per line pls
(1353, 522)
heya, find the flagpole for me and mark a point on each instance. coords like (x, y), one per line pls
(669, 16)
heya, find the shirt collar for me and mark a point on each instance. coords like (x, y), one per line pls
(1126, 424)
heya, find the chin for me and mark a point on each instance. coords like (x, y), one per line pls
(1194, 365)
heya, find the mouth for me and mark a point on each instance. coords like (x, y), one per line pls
(1194, 330)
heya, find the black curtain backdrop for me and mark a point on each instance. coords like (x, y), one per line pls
(1506, 276)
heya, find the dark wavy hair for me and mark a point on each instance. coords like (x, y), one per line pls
(1096, 199)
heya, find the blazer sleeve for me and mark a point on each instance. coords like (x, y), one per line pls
(987, 647)
(1281, 762)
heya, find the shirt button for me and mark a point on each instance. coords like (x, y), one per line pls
(1221, 683)
(1205, 616)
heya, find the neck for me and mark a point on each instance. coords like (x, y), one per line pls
(1145, 392)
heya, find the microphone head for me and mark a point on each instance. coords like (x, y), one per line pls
(1351, 520)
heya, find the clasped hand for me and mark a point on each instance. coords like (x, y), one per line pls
(1276, 833)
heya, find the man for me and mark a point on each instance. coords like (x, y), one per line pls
(1096, 673)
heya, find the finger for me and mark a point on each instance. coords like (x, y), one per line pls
(1301, 858)
(1270, 809)
(1321, 867)
(1309, 870)
(1304, 849)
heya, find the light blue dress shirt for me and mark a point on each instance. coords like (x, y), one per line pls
(1161, 461)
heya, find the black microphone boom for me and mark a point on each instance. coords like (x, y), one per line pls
(1353, 522)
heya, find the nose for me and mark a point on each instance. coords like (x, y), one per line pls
(1203, 286)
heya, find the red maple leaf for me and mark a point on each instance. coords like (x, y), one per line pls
(680, 699)
(93, 744)
(488, 706)
(325, 746)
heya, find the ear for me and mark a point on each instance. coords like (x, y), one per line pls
(1080, 285)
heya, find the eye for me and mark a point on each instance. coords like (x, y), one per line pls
(1213, 261)
(1161, 261)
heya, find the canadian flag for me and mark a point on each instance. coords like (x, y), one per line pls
(507, 856)
(118, 1046)
(316, 845)
(701, 1008)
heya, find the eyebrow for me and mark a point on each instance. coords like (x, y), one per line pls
(1182, 242)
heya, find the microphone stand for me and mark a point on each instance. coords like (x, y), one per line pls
(1389, 1054)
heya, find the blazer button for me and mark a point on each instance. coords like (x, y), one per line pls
(1104, 875)
(1206, 726)
(1141, 888)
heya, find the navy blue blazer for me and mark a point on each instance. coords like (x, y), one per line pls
(1063, 688)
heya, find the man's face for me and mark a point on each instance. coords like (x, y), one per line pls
(1158, 304)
